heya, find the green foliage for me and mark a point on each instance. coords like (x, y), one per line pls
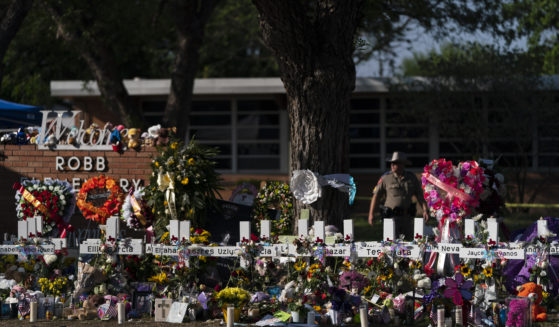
(190, 170)
(274, 195)
(537, 20)
(232, 44)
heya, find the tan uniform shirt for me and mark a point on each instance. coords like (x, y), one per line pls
(399, 190)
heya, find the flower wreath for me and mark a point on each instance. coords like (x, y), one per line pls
(110, 207)
(274, 195)
(135, 211)
(462, 185)
(53, 200)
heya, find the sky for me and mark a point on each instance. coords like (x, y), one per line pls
(424, 42)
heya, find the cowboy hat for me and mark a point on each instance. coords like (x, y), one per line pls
(399, 157)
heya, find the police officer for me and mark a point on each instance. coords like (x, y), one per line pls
(399, 186)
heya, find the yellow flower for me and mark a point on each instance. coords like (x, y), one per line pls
(165, 203)
(191, 161)
(465, 270)
(367, 289)
(317, 308)
(159, 278)
(174, 145)
(347, 265)
(545, 294)
(299, 265)
(488, 272)
(184, 181)
(165, 236)
(156, 164)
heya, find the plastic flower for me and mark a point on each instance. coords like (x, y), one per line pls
(458, 289)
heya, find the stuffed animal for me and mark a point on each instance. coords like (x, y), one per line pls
(535, 292)
(91, 134)
(133, 138)
(162, 137)
(116, 138)
(89, 310)
(73, 136)
(21, 136)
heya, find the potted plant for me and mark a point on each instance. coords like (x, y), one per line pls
(232, 296)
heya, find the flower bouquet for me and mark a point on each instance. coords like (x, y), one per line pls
(135, 211)
(99, 198)
(235, 296)
(53, 200)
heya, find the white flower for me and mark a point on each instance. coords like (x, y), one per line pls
(543, 264)
(305, 186)
(543, 273)
(62, 197)
(50, 258)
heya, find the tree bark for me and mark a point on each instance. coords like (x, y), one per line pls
(313, 43)
(190, 17)
(101, 62)
(12, 19)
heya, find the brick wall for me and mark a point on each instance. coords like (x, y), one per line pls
(26, 161)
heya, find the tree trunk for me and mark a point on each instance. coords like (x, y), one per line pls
(12, 19)
(313, 43)
(101, 62)
(190, 17)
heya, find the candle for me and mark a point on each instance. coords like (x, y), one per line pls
(33, 312)
(363, 315)
(121, 308)
(310, 318)
(230, 316)
(440, 316)
(459, 320)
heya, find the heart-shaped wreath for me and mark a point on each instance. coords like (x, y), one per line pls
(452, 192)
(99, 198)
(53, 200)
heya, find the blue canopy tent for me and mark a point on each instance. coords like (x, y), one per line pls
(14, 115)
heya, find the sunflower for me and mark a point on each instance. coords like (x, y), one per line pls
(465, 270)
(299, 265)
(488, 272)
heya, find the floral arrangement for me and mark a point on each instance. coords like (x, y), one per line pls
(451, 192)
(53, 200)
(233, 295)
(94, 189)
(183, 185)
(135, 211)
(56, 286)
(274, 195)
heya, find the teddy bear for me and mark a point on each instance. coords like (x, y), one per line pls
(89, 310)
(535, 292)
(133, 138)
(162, 137)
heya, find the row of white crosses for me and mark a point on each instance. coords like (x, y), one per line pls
(180, 230)
(112, 232)
(30, 230)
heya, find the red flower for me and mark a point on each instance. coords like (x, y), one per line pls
(253, 237)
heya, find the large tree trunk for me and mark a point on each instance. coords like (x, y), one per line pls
(190, 17)
(12, 18)
(101, 62)
(313, 43)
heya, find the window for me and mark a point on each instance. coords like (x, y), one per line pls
(364, 134)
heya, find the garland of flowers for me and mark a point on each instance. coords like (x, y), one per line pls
(53, 200)
(275, 195)
(135, 211)
(110, 207)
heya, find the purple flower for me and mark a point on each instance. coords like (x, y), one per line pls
(458, 289)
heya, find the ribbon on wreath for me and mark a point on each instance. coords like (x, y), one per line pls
(136, 207)
(166, 183)
(29, 197)
(450, 190)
